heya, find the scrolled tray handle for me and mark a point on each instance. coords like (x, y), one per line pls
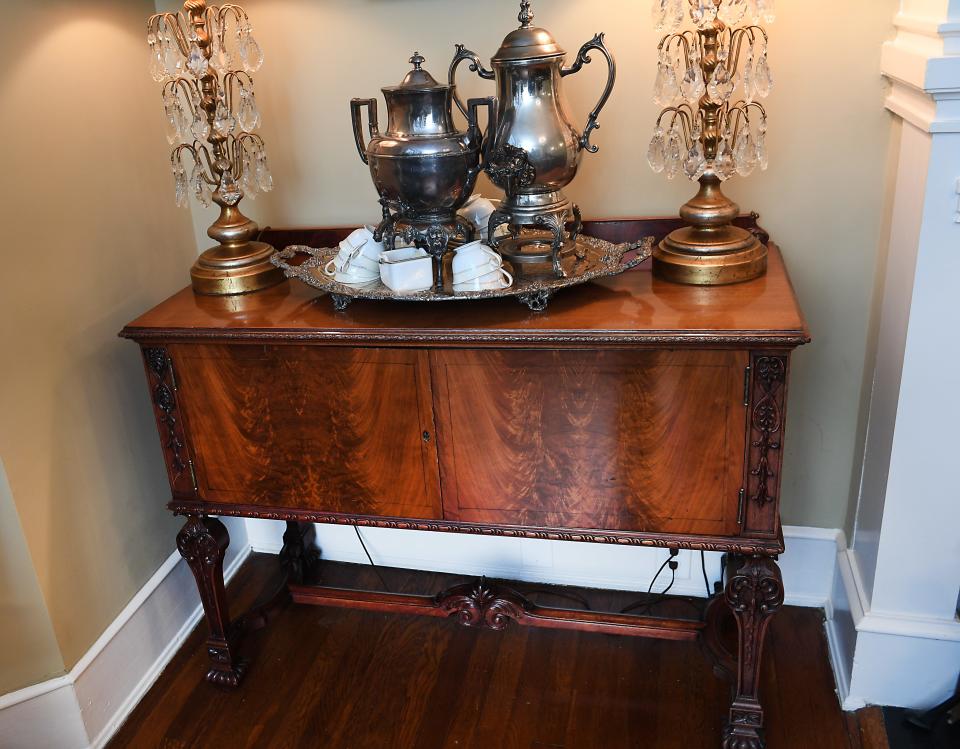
(280, 257)
(614, 259)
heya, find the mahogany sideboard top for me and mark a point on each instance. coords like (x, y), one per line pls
(633, 309)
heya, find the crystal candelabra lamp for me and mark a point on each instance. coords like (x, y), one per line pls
(205, 56)
(709, 77)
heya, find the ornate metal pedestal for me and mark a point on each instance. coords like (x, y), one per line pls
(537, 235)
(537, 222)
(436, 235)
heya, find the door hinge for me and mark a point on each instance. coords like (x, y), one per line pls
(193, 475)
(741, 507)
(173, 374)
(746, 386)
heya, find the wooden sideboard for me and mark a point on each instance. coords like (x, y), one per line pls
(632, 411)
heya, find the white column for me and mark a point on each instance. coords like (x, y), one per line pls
(902, 574)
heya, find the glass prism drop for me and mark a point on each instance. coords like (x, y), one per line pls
(197, 62)
(692, 87)
(703, 12)
(180, 185)
(764, 77)
(200, 128)
(228, 189)
(674, 153)
(199, 184)
(224, 123)
(172, 59)
(157, 69)
(657, 152)
(172, 126)
(696, 163)
(676, 15)
(767, 10)
(264, 176)
(666, 87)
(248, 116)
(732, 11)
(762, 157)
(248, 177)
(720, 86)
(749, 86)
(659, 10)
(723, 161)
(744, 154)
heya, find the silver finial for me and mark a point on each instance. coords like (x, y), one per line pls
(526, 15)
(417, 60)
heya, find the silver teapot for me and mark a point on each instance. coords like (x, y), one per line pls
(534, 149)
(423, 167)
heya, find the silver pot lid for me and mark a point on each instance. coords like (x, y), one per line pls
(529, 42)
(418, 79)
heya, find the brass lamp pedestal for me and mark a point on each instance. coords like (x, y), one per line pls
(710, 251)
(238, 265)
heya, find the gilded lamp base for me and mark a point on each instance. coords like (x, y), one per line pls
(710, 251)
(238, 265)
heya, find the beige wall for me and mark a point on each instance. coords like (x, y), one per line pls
(92, 239)
(822, 198)
(24, 621)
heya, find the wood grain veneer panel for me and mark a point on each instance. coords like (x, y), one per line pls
(615, 440)
(338, 430)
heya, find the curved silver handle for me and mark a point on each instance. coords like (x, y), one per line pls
(355, 106)
(475, 65)
(473, 120)
(583, 58)
(477, 136)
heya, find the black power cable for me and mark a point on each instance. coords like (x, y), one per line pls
(703, 567)
(370, 559)
(652, 600)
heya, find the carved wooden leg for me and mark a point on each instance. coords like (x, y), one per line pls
(754, 594)
(203, 542)
(300, 557)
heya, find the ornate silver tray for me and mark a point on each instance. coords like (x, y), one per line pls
(594, 258)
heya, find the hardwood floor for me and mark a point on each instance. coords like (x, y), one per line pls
(340, 679)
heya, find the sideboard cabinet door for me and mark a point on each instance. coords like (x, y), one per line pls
(614, 440)
(336, 430)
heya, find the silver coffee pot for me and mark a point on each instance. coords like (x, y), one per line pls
(534, 150)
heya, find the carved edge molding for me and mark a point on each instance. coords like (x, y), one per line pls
(750, 547)
(163, 390)
(745, 339)
(766, 420)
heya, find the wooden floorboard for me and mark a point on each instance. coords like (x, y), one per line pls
(342, 679)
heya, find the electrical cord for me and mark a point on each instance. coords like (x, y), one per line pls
(370, 559)
(703, 567)
(652, 600)
(569, 596)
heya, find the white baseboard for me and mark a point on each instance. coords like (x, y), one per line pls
(84, 708)
(42, 716)
(808, 564)
(882, 658)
